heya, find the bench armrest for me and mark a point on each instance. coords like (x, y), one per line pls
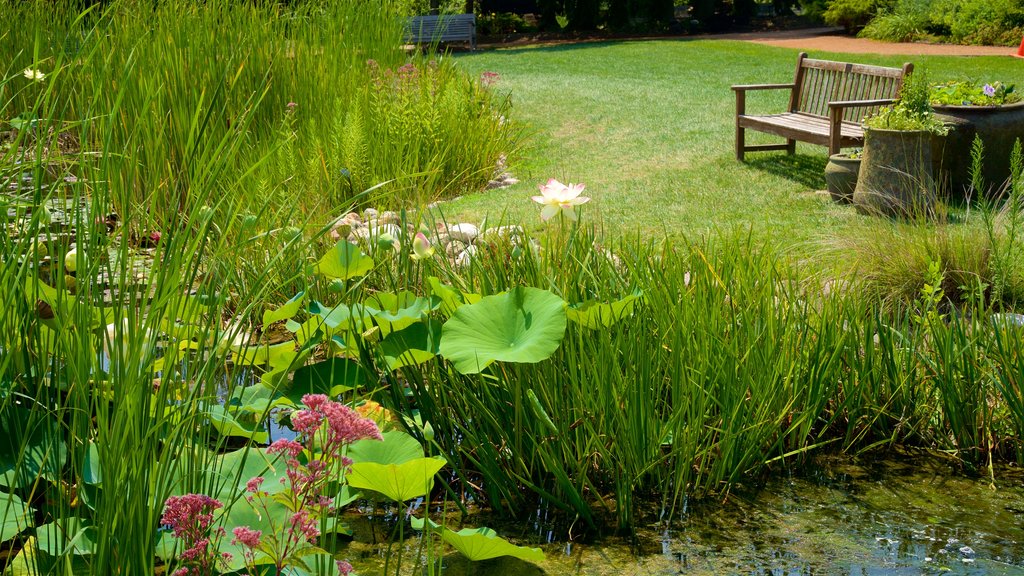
(745, 87)
(860, 103)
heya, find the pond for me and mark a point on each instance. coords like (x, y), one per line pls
(906, 516)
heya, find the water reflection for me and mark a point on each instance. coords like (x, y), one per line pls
(894, 517)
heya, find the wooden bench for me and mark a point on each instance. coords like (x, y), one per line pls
(441, 28)
(827, 102)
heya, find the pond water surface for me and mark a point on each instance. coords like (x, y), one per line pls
(892, 517)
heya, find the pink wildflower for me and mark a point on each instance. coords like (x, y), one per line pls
(292, 447)
(253, 485)
(344, 568)
(306, 421)
(185, 514)
(246, 536)
(304, 524)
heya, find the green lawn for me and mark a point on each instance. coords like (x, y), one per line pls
(648, 126)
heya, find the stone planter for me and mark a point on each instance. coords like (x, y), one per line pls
(896, 173)
(841, 177)
(998, 127)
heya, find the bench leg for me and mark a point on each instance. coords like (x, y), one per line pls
(740, 143)
(790, 147)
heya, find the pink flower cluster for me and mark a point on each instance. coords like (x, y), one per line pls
(324, 428)
(189, 518)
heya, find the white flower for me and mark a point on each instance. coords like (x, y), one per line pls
(36, 75)
(557, 197)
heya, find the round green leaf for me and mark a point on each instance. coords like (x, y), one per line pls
(522, 325)
(344, 261)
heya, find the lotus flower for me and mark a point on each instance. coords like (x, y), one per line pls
(421, 248)
(557, 197)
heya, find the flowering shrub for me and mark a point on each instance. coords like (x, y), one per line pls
(314, 462)
(963, 93)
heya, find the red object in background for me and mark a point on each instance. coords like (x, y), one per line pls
(1020, 51)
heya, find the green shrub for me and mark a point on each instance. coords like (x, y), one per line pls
(908, 21)
(853, 14)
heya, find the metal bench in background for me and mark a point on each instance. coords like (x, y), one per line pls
(441, 28)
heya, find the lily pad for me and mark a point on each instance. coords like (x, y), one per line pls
(344, 261)
(523, 325)
(399, 482)
(480, 543)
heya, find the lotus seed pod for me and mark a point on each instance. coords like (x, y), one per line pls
(71, 261)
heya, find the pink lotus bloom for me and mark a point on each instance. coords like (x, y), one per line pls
(421, 248)
(557, 197)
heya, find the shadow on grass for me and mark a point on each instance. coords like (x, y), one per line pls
(808, 171)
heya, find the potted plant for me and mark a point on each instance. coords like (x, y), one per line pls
(841, 174)
(896, 167)
(994, 112)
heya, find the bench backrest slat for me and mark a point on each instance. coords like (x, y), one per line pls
(442, 28)
(819, 82)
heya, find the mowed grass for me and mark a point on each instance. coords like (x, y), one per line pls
(648, 126)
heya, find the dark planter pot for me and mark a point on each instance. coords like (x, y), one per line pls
(896, 174)
(997, 126)
(841, 177)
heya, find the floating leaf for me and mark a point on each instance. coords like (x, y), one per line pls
(15, 516)
(285, 312)
(344, 261)
(522, 325)
(332, 377)
(276, 356)
(399, 482)
(481, 543)
(597, 315)
(413, 345)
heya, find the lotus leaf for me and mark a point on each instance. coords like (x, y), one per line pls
(344, 261)
(66, 536)
(399, 482)
(393, 312)
(598, 315)
(397, 448)
(227, 425)
(29, 448)
(522, 325)
(413, 345)
(31, 561)
(285, 312)
(15, 516)
(449, 299)
(481, 543)
(342, 317)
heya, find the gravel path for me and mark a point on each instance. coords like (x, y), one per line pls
(830, 40)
